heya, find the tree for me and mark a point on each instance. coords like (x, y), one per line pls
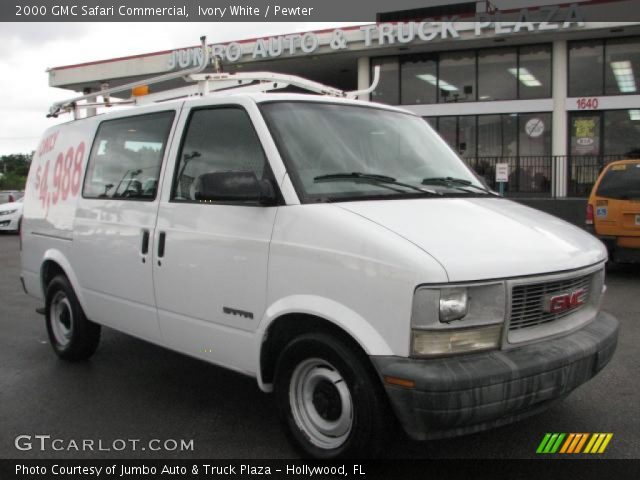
(15, 168)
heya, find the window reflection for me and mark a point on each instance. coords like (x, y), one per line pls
(622, 132)
(534, 73)
(419, 78)
(622, 70)
(585, 61)
(457, 77)
(388, 89)
(497, 72)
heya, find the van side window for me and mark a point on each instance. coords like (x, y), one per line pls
(216, 140)
(126, 157)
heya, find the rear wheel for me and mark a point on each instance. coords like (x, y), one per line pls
(329, 398)
(72, 336)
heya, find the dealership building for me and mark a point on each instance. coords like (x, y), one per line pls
(551, 91)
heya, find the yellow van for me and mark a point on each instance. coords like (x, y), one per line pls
(613, 211)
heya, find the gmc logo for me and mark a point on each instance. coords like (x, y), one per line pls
(564, 301)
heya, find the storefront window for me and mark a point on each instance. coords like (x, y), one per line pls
(418, 77)
(448, 130)
(622, 132)
(457, 77)
(534, 73)
(467, 136)
(622, 66)
(585, 68)
(585, 134)
(432, 121)
(535, 134)
(389, 86)
(497, 72)
(497, 135)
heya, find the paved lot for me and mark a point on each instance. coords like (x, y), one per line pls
(133, 390)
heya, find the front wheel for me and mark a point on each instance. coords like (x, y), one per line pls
(329, 398)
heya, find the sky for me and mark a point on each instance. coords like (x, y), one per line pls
(28, 49)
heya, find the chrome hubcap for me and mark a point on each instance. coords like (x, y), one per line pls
(321, 403)
(61, 318)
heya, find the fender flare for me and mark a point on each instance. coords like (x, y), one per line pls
(341, 316)
(56, 256)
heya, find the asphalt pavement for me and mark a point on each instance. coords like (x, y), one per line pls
(132, 390)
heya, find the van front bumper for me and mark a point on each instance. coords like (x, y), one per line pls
(469, 393)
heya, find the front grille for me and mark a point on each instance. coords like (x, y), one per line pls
(527, 301)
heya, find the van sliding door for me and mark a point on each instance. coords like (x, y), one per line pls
(115, 220)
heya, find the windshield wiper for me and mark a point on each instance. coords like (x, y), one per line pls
(382, 180)
(457, 183)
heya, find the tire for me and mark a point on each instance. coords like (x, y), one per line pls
(330, 399)
(72, 336)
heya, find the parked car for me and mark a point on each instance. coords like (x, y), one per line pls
(9, 196)
(11, 216)
(613, 210)
(336, 250)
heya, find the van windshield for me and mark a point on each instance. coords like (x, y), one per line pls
(621, 181)
(337, 152)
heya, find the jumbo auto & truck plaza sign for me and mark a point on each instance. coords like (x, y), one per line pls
(545, 19)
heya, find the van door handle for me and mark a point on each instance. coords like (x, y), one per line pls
(144, 249)
(161, 244)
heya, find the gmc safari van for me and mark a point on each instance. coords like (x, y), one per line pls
(336, 250)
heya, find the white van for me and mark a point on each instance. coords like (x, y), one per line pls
(336, 250)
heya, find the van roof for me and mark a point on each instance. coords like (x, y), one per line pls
(257, 97)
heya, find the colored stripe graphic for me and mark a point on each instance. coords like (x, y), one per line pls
(543, 443)
(567, 443)
(581, 442)
(606, 441)
(574, 443)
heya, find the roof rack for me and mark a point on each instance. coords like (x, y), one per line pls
(203, 85)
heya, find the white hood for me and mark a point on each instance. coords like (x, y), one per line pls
(482, 238)
(10, 206)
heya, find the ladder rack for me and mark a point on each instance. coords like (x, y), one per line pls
(204, 84)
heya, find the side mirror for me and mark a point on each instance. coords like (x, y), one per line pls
(235, 186)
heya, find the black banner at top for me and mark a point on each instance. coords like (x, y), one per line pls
(303, 10)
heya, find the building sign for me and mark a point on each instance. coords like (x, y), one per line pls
(534, 127)
(502, 172)
(545, 19)
(585, 135)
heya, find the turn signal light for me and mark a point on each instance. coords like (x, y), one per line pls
(400, 382)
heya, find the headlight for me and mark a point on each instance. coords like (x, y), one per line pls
(455, 319)
(448, 342)
(453, 304)
(8, 212)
